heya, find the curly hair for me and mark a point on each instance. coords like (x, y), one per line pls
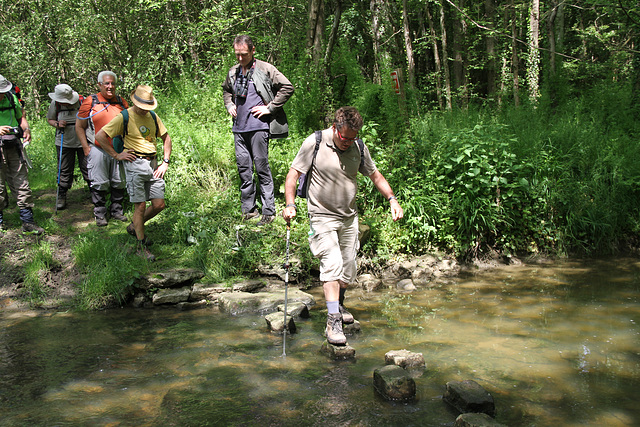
(349, 117)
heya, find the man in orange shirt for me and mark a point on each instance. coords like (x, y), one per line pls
(105, 173)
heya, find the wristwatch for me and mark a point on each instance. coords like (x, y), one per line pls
(166, 160)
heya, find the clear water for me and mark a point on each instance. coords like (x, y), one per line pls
(556, 345)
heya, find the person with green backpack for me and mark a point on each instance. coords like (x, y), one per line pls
(138, 127)
(13, 160)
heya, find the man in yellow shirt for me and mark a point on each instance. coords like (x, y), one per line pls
(145, 179)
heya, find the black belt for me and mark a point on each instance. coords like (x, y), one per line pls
(146, 156)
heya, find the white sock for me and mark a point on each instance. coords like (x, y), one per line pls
(332, 307)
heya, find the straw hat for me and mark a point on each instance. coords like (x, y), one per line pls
(64, 94)
(5, 85)
(143, 98)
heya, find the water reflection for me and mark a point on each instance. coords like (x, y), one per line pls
(555, 345)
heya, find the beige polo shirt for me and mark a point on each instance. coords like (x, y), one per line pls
(334, 184)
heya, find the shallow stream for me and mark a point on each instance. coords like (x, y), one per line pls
(555, 345)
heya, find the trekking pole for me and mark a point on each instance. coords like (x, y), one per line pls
(286, 282)
(59, 168)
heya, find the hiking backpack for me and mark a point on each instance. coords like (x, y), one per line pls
(305, 178)
(95, 100)
(118, 140)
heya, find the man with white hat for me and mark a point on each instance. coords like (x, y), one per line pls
(13, 162)
(62, 116)
(96, 111)
(143, 175)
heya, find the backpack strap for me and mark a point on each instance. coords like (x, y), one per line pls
(155, 120)
(12, 102)
(125, 115)
(361, 146)
(315, 150)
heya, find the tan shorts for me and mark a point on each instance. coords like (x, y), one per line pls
(141, 185)
(335, 243)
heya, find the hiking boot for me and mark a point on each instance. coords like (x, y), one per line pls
(347, 318)
(266, 219)
(334, 332)
(119, 216)
(250, 215)
(143, 252)
(32, 227)
(132, 231)
(101, 221)
(62, 202)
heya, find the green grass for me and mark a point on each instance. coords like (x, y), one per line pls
(513, 181)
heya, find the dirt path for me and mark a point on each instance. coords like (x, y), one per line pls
(62, 279)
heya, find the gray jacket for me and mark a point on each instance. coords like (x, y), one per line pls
(274, 89)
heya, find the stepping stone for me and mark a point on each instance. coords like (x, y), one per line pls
(295, 309)
(394, 383)
(338, 351)
(275, 322)
(476, 420)
(469, 396)
(404, 359)
(351, 329)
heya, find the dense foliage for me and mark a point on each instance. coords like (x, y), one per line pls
(500, 143)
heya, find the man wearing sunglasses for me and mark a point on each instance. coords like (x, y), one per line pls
(331, 202)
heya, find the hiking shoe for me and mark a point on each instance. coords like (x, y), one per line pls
(62, 202)
(144, 253)
(101, 221)
(119, 216)
(250, 215)
(347, 318)
(334, 332)
(131, 230)
(266, 219)
(31, 227)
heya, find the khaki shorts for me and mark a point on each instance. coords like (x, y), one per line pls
(335, 243)
(141, 185)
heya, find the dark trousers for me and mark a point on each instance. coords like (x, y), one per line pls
(68, 164)
(252, 148)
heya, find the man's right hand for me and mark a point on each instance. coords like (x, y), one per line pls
(5, 130)
(232, 110)
(289, 213)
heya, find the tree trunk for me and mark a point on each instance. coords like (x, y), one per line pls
(445, 57)
(436, 56)
(315, 31)
(190, 39)
(551, 34)
(459, 63)
(391, 13)
(333, 36)
(533, 61)
(515, 58)
(411, 66)
(490, 15)
(375, 33)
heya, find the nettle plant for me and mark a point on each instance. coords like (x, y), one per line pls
(487, 189)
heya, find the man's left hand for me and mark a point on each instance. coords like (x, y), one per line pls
(396, 210)
(161, 170)
(260, 110)
(27, 137)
